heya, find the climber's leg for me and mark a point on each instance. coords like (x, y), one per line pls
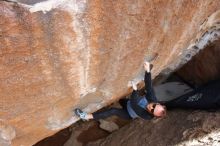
(122, 113)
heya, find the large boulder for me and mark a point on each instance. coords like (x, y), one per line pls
(59, 54)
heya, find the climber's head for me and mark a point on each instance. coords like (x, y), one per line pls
(156, 109)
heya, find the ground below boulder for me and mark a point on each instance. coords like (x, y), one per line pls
(178, 128)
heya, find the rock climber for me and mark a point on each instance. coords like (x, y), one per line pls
(145, 107)
(204, 97)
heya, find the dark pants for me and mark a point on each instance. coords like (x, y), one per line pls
(204, 97)
(122, 113)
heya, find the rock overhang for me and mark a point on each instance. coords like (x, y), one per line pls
(57, 55)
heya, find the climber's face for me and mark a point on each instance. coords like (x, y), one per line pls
(156, 109)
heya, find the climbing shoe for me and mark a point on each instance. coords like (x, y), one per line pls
(80, 113)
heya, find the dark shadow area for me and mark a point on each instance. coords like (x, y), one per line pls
(203, 67)
(93, 133)
(57, 139)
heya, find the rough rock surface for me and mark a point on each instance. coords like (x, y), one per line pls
(59, 54)
(84, 132)
(204, 66)
(180, 128)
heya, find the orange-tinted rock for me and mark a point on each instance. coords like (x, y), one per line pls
(59, 54)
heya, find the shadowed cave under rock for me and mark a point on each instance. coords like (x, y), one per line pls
(180, 127)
